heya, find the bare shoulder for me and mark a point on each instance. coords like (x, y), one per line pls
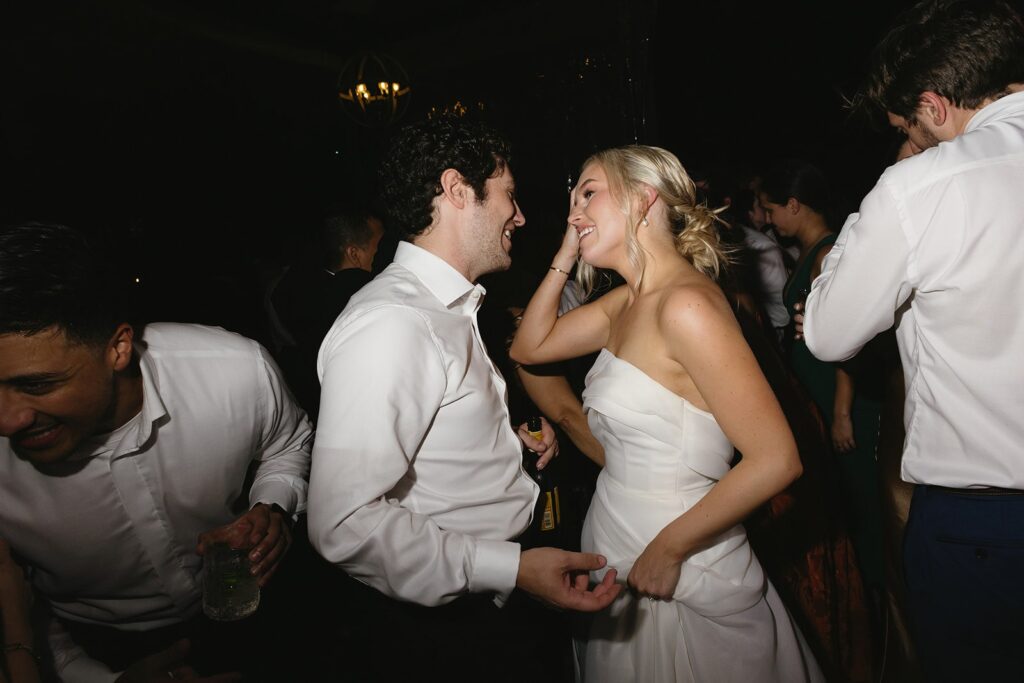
(694, 308)
(819, 259)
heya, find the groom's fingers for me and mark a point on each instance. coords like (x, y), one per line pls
(600, 597)
(584, 561)
(608, 584)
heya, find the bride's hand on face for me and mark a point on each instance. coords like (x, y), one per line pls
(656, 572)
(570, 247)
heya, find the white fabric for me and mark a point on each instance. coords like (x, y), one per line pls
(726, 622)
(938, 248)
(111, 541)
(570, 298)
(771, 272)
(417, 480)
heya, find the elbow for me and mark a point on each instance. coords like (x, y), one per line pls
(519, 354)
(794, 471)
(825, 353)
(825, 349)
(569, 419)
(790, 468)
(319, 528)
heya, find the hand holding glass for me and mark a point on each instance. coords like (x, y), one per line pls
(230, 591)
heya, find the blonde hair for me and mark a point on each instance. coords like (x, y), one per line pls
(692, 224)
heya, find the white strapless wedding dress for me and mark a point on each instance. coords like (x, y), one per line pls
(726, 622)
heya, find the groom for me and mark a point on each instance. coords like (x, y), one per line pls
(417, 488)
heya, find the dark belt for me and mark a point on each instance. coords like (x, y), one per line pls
(989, 491)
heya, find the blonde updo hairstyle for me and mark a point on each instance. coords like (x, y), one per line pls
(692, 224)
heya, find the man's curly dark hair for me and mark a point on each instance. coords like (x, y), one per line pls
(410, 174)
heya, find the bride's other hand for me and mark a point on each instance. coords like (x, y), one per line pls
(656, 572)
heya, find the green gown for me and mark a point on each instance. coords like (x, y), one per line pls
(858, 469)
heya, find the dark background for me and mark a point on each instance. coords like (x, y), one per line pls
(203, 139)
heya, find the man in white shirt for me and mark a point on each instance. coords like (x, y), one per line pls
(124, 456)
(936, 249)
(417, 487)
(771, 276)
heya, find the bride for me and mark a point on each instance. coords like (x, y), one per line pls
(674, 389)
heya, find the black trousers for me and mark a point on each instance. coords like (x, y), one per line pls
(470, 639)
(964, 564)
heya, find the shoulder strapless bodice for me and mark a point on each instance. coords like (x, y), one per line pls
(662, 455)
(654, 440)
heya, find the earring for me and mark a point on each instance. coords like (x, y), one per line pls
(644, 220)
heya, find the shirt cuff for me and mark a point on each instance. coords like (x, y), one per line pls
(275, 492)
(495, 568)
(85, 670)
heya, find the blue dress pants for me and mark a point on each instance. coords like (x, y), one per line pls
(964, 564)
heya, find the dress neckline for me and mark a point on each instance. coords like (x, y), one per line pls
(658, 384)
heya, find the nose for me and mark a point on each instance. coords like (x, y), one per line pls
(519, 220)
(575, 215)
(15, 415)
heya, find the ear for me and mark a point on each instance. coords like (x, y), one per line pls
(353, 255)
(933, 108)
(454, 188)
(648, 196)
(793, 205)
(119, 348)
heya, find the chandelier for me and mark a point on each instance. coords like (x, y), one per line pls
(373, 89)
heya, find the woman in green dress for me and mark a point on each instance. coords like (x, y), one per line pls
(795, 197)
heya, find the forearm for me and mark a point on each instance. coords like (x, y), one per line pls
(864, 280)
(286, 436)
(843, 401)
(578, 431)
(554, 397)
(282, 480)
(407, 556)
(540, 315)
(19, 644)
(741, 491)
(16, 624)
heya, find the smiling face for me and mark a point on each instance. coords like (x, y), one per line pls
(492, 222)
(599, 220)
(54, 393)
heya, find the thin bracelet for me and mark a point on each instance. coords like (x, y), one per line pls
(558, 270)
(14, 647)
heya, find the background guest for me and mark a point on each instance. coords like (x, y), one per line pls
(124, 456)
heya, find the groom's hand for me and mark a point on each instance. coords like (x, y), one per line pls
(562, 579)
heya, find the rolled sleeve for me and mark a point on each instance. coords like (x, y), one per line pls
(863, 281)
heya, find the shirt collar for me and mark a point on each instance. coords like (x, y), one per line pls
(133, 434)
(1007, 105)
(447, 284)
(153, 408)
